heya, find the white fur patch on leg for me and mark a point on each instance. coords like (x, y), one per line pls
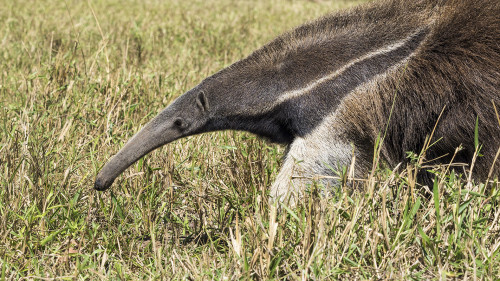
(310, 158)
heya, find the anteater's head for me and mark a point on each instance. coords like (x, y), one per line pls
(239, 98)
(184, 117)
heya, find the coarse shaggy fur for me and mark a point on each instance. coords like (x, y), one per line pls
(402, 69)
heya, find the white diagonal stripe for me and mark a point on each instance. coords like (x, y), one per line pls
(299, 92)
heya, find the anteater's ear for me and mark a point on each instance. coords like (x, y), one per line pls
(202, 101)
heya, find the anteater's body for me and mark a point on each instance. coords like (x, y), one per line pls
(329, 88)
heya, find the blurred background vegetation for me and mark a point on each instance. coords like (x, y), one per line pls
(78, 78)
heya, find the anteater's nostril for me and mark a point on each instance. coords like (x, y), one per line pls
(101, 184)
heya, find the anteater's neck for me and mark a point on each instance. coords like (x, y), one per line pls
(282, 94)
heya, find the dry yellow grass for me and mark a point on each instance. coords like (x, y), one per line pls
(78, 78)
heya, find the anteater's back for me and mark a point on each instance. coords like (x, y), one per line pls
(455, 71)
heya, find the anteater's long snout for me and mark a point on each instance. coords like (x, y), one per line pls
(101, 183)
(160, 131)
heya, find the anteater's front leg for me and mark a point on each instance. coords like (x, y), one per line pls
(312, 159)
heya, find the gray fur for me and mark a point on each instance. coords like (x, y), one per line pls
(326, 89)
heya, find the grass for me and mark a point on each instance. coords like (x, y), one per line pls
(78, 78)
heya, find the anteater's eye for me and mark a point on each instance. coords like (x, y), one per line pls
(179, 123)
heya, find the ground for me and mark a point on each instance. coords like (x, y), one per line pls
(78, 78)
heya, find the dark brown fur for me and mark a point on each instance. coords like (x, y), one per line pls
(457, 69)
(424, 57)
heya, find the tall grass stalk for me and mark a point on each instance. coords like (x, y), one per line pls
(78, 78)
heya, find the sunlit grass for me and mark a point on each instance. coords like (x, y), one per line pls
(78, 79)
